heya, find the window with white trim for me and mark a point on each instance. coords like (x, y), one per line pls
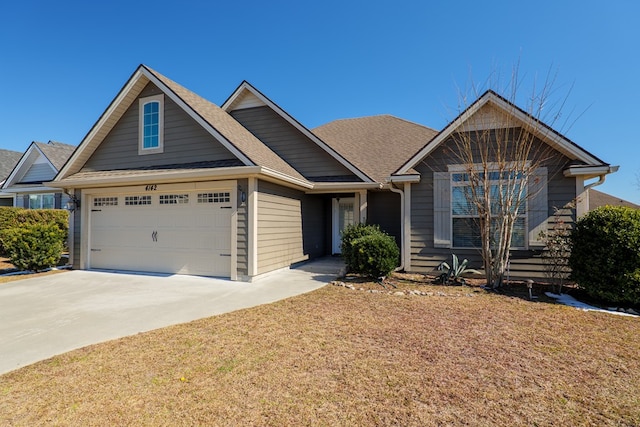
(465, 229)
(455, 220)
(151, 118)
(41, 201)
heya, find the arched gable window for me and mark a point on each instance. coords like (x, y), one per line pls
(151, 118)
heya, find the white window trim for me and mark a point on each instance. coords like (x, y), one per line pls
(492, 167)
(141, 103)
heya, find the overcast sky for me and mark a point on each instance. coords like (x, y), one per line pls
(61, 63)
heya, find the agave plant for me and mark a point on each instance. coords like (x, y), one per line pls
(452, 274)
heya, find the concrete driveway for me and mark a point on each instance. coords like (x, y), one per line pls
(45, 316)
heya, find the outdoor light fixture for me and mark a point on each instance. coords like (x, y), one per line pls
(73, 204)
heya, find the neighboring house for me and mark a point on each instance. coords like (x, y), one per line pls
(169, 182)
(39, 164)
(598, 198)
(8, 160)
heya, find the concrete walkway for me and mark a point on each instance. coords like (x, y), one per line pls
(49, 315)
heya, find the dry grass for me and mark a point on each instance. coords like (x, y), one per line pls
(340, 357)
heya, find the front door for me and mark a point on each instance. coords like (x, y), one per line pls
(343, 216)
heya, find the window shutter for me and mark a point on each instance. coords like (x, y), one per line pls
(538, 206)
(25, 201)
(441, 210)
(57, 202)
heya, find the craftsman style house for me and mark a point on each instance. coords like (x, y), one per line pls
(166, 181)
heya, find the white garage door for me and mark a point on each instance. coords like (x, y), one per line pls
(186, 232)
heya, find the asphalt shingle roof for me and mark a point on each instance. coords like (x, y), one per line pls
(57, 152)
(8, 160)
(231, 129)
(377, 145)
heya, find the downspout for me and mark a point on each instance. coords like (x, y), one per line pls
(402, 250)
(600, 181)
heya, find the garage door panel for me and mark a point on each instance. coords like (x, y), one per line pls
(188, 237)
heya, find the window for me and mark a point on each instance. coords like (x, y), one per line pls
(464, 214)
(214, 197)
(151, 118)
(105, 201)
(451, 210)
(174, 199)
(41, 201)
(137, 200)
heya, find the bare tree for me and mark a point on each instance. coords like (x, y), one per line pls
(499, 151)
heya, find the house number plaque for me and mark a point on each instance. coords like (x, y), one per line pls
(151, 187)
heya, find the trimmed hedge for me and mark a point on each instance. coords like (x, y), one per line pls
(605, 254)
(20, 217)
(368, 250)
(34, 246)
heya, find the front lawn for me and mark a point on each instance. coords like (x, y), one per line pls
(335, 356)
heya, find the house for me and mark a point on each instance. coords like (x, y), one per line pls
(165, 181)
(598, 198)
(8, 160)
(39, 164)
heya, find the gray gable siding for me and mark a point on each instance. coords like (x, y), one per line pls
(290, 144)
(425, 257)
(39, 172)
(185, 141)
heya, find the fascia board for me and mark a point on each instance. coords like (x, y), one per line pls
(444, 134)
(293, 122)
(573, 171)
(164, 176)
(556, 140)
(25, 161)
(404, 178)
(68, 166)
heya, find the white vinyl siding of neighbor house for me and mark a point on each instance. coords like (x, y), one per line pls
(279, 231)
(39, 172)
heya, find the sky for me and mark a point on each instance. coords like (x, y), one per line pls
(62, 63)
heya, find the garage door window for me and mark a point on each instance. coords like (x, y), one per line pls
(214, 197)
(105, 201)
(137, 200)
(174, 199)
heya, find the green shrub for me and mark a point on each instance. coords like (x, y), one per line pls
(20, 217)
(351, 233)
(605, 254)
(34, 247)
(368, 250)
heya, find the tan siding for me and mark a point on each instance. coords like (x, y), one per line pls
(425, 258)
(184, 141)
(289, 143)
(280, 241)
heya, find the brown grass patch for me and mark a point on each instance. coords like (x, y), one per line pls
(342, 357)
